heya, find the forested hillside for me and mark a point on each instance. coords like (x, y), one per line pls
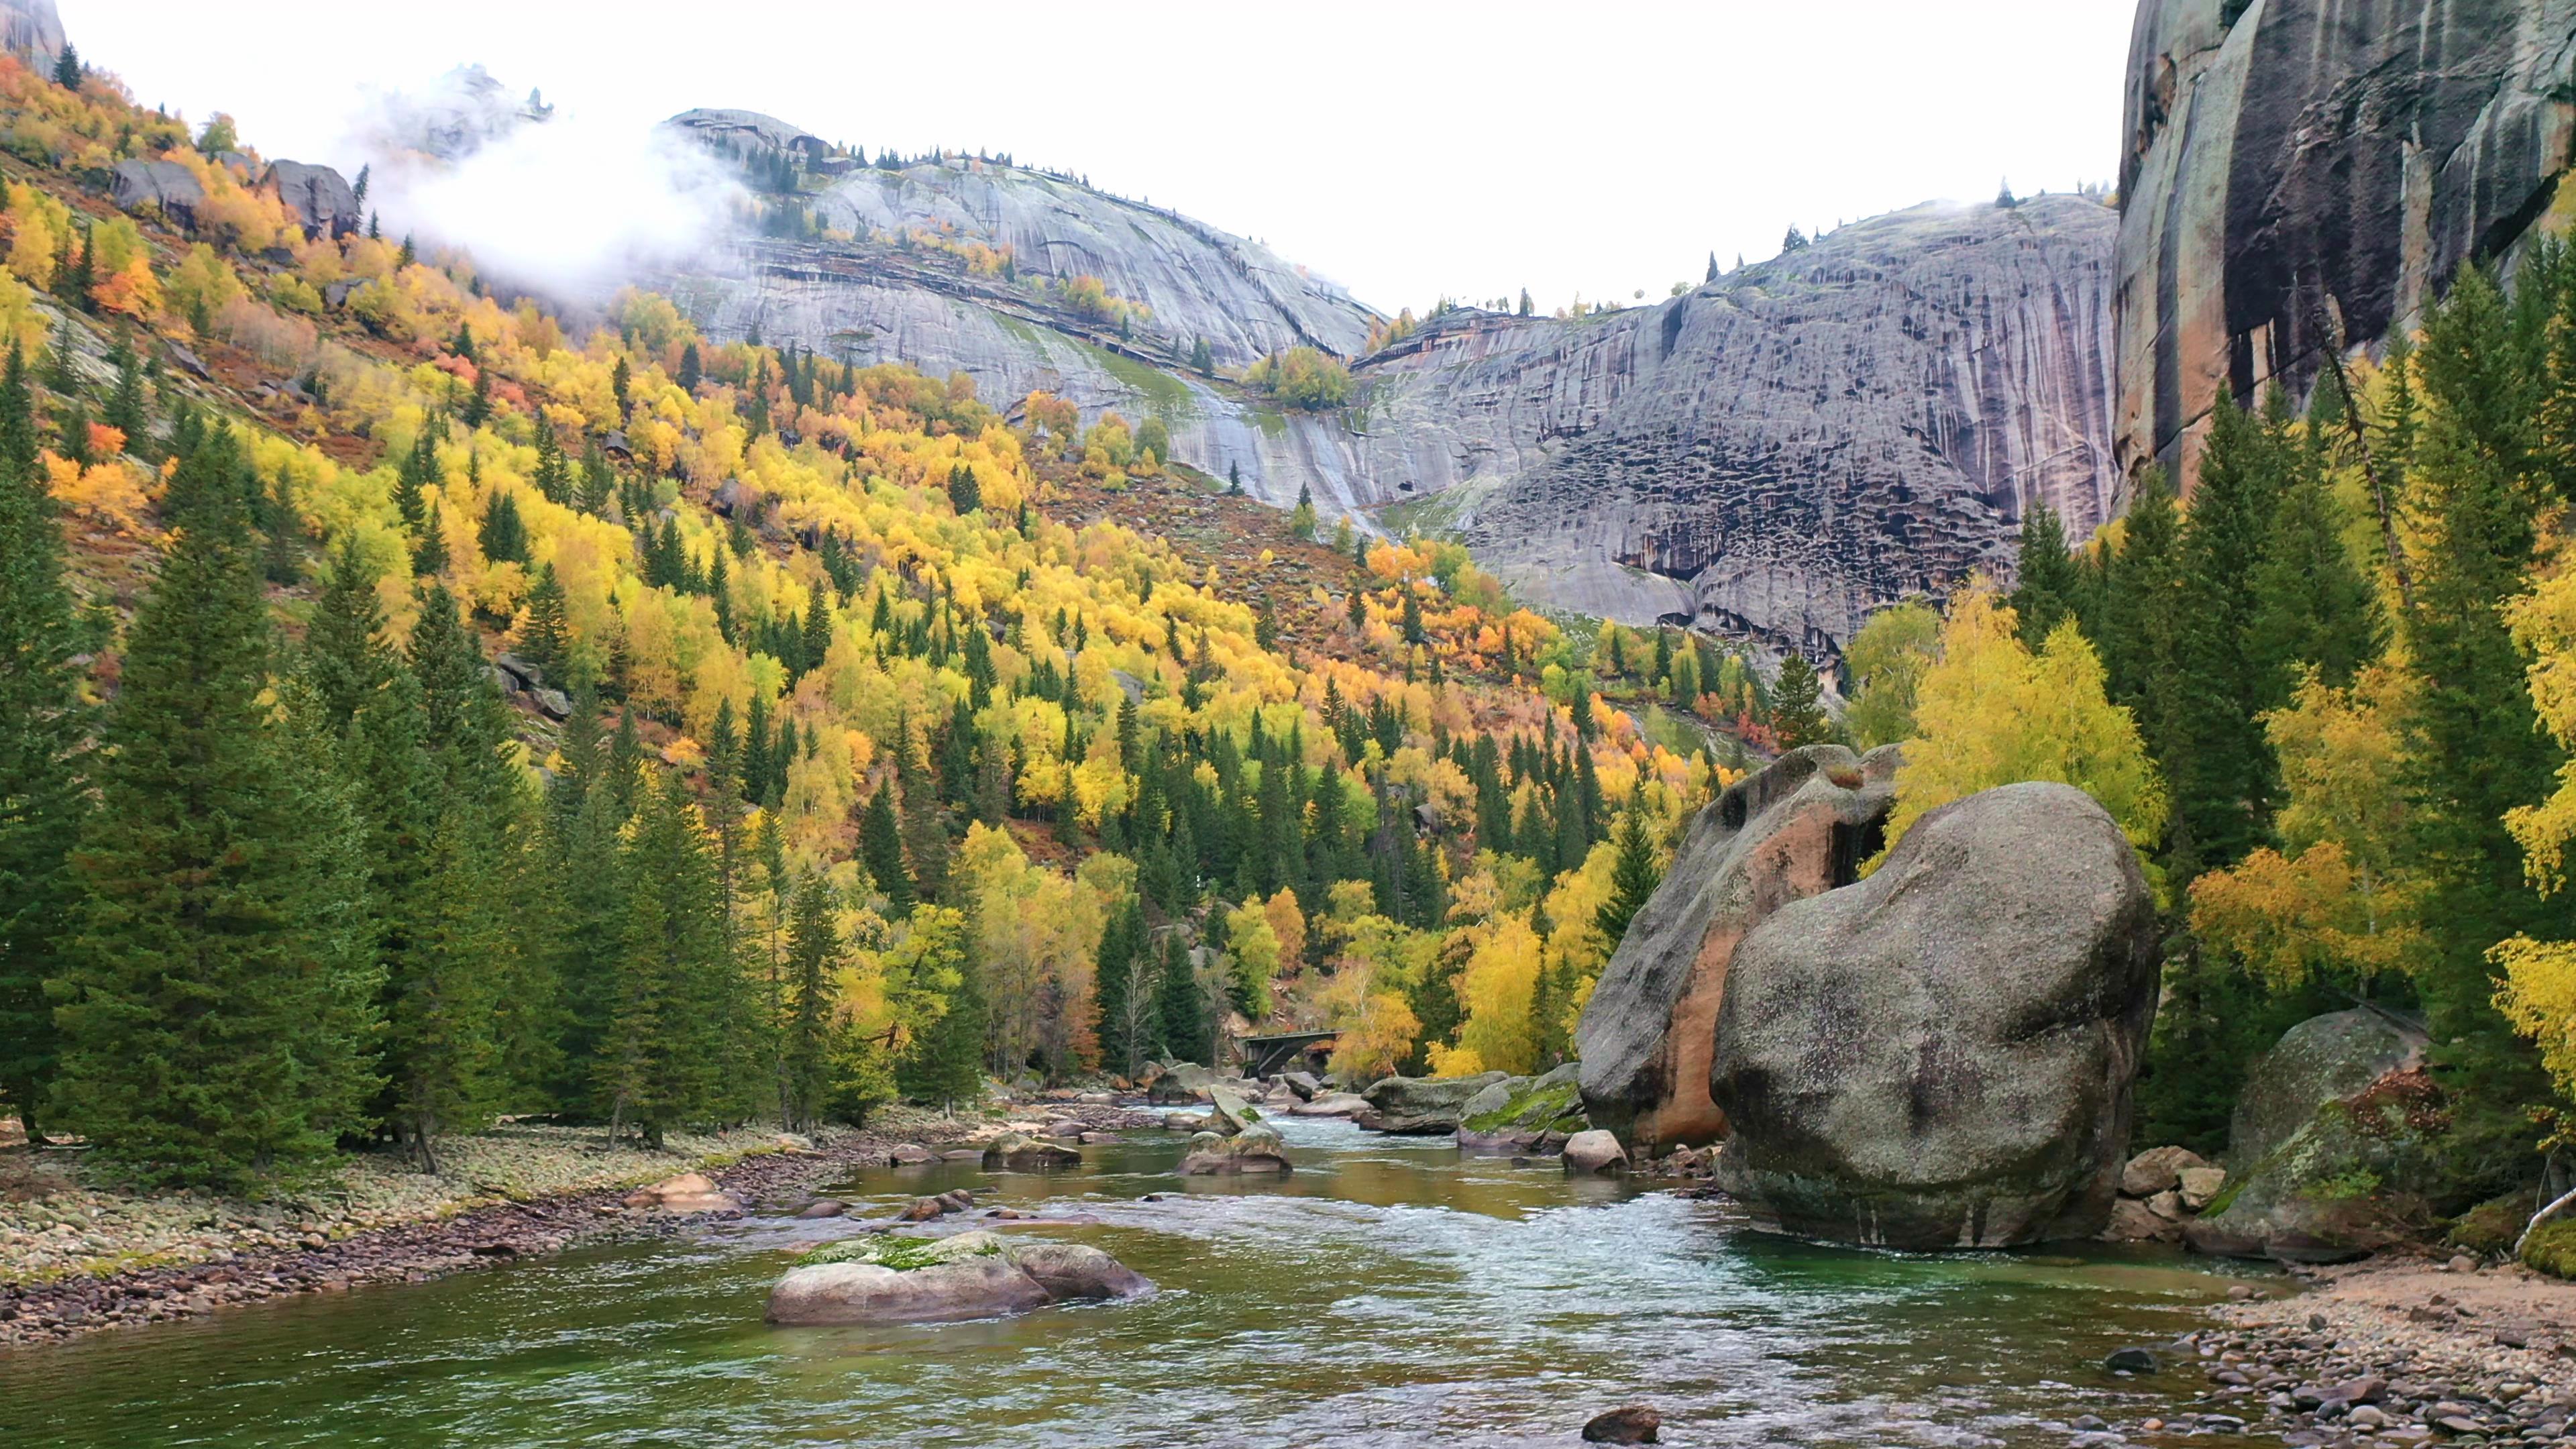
(844, 742)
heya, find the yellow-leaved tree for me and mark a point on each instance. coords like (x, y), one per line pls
(2336, 895)
(2539, 991)
(1991, 713)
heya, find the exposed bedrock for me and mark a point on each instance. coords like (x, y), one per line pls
(1942, 1055)
(2303, 169)
(1800, 826)
(1769, 455)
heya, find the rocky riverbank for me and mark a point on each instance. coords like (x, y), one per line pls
(2387, 1354)
(75, 1258)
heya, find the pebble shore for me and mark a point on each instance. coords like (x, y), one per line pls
(75, 1259)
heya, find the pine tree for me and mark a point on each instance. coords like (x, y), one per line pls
(689, 373)
(68, 72)
(125, 410)
(215, 1001)
(944, 1064)
(419, 469)
(545, 636)
(2311, 605)
(1797, 709)
(503, 535)
(813, 949)
(1124, 992)
(1301, 520)
(675, 994)
(881, 847)
(2223, 770)
(43, 769)
(2051, 586)
(1181, 1006)
(1632, 880)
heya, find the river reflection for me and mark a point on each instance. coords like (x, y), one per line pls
(1390, 1292)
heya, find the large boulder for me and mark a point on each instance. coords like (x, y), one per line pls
(1019, 1152)
(2323, 1059)
(320, 198)
(2336, 1133)
(892, 1279)
(1594, 1151)
(1421, 1106)
(165, 186)
(1524, 1114)
(1799, 827)
(1228, 1110)
(2302, 177)
(1941, 1056)
(1181, 1083)
(690, 1192)
(1255, 1149)
(1332, 1104)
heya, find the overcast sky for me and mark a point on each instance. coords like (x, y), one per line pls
(1406, 149)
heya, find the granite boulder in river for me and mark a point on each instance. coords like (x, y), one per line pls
(943, 1280)
(1941, 1056)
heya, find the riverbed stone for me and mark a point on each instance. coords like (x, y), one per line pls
(1594, 1151)
(1331, 1104)
(910, 1154)
(1800, 826)
(1942, 1055)
(690, 1192)
(1257, 1149)
(2158, 1169)
(1019, 1152)
(1228, 1112)
(1421, 1106)
(1524, 1114)
(947, 1280)
(1303, 1084)
(1630, 1424)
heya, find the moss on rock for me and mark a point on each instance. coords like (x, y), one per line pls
(903, 1255)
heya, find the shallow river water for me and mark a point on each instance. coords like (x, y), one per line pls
(1392, 1292)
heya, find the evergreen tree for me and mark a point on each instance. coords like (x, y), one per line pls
(125, 410)
(1797, 709)
(672, 1013)
(1632, 879)
(545, 637)
(503, 535)
(965, 494)
(68, 72)
(689, 369)
(1184, 1030)
(945, 1062)
(43, 769)
(1125, 1026)
(215, 1001)
(2311, 605)
(1301, 520)
(881, 847)
(2222, 767)
(813, 949)
(2051, 587)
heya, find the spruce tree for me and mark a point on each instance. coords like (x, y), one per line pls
(503, 535)
(2051, 587)
(1632, 879)
(1124, 992)
(2223, 772)
(813, 948)
(1181, 1006)
(215, 1006)
(1797, 709)
(2312, 606)
(674, 996)
(881, 848)
(545, 637)
(945, 1062)
(43, 768)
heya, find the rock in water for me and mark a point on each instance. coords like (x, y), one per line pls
(1255, 1149)
(1018, 1152)
(2288, 164)
(690, 1192)
(1594, 1151)
(944, 1280)
(1941, 1056)
(1635, 1424)
(2158, 1169)
(1801, 826)
(1524, 1114)
(1421, 1106)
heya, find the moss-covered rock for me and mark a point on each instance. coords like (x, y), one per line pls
(1520, 1114)
(2346, 1184)
(2552, 1249)
(903, 1255)
(943, 1280)
(2490, 1229)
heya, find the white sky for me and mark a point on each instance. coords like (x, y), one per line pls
(1406, 149)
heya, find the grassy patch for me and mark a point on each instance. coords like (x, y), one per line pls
(903, 1255)
(1165, 396)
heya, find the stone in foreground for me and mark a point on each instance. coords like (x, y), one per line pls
(690, 1192)
(1635, 1424)
(878, 1280)
(1255, 1149)
(1941, 1056)
(1594, 1151)
(1019, 1152)
(1800, 827)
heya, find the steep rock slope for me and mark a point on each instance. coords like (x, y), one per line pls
(1777, 452)
(2307, 169)
(1768, 456)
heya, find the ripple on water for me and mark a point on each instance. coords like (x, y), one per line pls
(1390, 1292)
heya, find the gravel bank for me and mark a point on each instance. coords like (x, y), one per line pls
(75, 1258)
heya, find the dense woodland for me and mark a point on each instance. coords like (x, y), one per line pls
(867, 755)
(878, 770)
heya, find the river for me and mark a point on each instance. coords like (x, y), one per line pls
(1392, 1292)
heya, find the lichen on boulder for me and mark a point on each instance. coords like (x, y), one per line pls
(889, 1279)
(1524, 1114)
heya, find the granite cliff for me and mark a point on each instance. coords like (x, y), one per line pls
(2298, 176)
(1768, 456)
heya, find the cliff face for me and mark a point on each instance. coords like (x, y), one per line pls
(1782, 449)
(32, 31)
(2305, 171)
(1768, 456)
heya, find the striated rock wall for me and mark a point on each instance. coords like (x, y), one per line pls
(33, 31)
(2295, 171)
